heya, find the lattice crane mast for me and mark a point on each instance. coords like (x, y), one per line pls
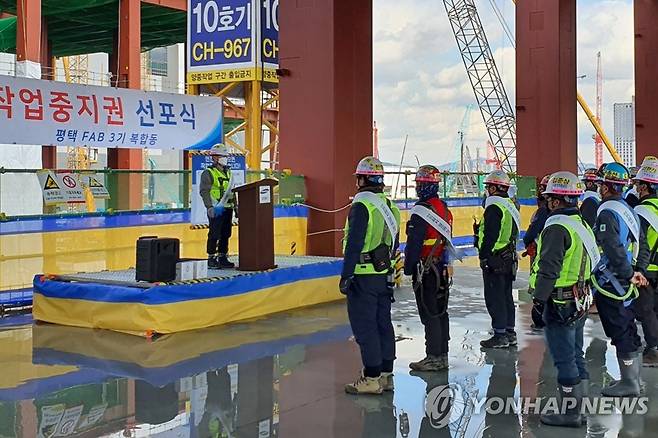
(598, 140)
(488, 87)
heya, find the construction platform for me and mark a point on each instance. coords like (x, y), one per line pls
(113, 300)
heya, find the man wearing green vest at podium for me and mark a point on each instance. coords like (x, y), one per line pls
(216, 191)
(371, 239)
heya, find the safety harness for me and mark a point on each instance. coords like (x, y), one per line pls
(603, 274)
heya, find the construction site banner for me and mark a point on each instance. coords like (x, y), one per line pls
(41, 112)
(232, 40)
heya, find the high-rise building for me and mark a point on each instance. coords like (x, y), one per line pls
(625, 131)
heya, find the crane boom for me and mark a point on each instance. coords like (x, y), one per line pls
(495, 108)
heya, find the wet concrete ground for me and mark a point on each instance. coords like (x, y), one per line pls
(284, 376)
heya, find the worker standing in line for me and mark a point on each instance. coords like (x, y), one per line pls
(646, 183)
(216, 190)
(618, 235)
(496, 242)
(530, 241)
(371, 238)
(560, 277)
(591, 197)
(631, 196)
(428, 260)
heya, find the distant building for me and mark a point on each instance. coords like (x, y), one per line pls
(625, 131)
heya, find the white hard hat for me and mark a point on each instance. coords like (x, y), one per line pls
(220, 149)
(648, 173)
(498, 178)
(370, 166)
(564, 184)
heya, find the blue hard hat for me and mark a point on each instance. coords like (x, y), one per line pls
(615, 173)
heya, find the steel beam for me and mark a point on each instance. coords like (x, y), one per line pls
(326, 105)
(646, 72)
(546, 116)
(127, 193)
(28, 30)
(179, 5)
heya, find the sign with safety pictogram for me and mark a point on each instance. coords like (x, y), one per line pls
(98, 190)
(52, 193)
(71, 188)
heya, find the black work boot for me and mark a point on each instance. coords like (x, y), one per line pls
(650, 357)
(498, 340)
(224, 262)
(511, 338)
(629, 384)
(570, 404)
(212, 262)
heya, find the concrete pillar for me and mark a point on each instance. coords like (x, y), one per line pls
(325, 104)
(547, 129)
(125, 63)
(646, 72)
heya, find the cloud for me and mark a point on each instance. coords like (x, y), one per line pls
(421, 87)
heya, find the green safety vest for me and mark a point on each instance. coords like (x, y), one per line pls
(220, 182)
(505, 234)
(652, 235)
(572, 261)
(376, 234)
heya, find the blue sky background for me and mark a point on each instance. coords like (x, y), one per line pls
(421, 87)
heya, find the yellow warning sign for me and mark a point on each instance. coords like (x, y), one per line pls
(50, 183)
(94, 183)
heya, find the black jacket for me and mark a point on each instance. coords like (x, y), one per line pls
(644, 257)
(416, 232)
(358, 226)
(492, 222)
(536, 224)
(588, 210)
(606, 230)
(555, 243)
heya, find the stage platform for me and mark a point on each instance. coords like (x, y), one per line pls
(114, 300)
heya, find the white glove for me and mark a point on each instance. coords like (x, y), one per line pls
(236, 221)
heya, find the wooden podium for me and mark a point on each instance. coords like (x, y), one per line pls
(256, 230)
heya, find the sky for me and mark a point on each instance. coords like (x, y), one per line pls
(421, 88)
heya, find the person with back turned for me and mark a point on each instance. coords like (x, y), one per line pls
(591, 197)
(530, 242)
(560, 278)
(646, 184)
(371, 238)
(615, 279)
(496, 242)
(427, 259)
(216, 190)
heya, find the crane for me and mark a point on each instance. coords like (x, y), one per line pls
(495, 108)
(598, 141)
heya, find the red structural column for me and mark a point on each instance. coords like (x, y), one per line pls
(28, 30)
(646, 74)
(547, 130)
(325, 104)
(128, 190)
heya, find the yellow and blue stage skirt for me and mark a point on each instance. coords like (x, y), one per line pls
(170, 308)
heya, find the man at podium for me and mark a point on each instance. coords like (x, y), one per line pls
(371, 237)
(216, 190)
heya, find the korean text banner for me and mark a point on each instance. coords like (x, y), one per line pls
(232, 40)
(57, 113)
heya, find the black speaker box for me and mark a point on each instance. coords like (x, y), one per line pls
(156, 259)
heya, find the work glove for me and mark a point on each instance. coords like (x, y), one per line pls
(538, 305)
(530, 251)
(219, 210)
(345, 284)
(484, 264)
(236, 221)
